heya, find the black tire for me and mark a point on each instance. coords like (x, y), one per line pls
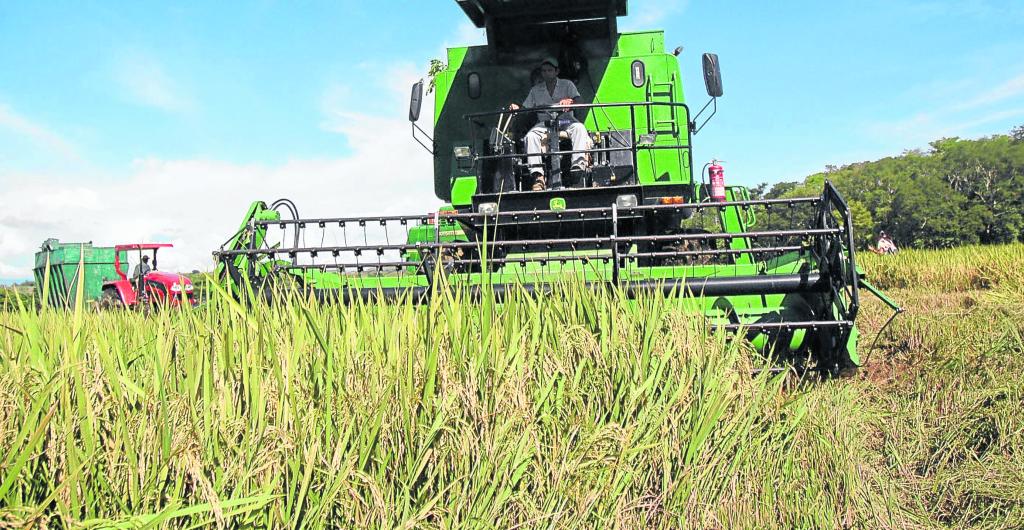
(447, 260)
(684, 245)
(109, 300)
(277, 284)
(153, 303)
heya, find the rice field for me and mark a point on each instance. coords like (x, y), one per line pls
(577, 410)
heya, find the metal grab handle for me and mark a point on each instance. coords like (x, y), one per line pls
(751, 219)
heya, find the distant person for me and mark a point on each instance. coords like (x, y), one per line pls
(142, 269)
(885, 244)
(552, 91)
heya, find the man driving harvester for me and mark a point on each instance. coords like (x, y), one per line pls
(549, 92)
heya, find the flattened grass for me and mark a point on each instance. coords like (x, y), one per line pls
(949, 379)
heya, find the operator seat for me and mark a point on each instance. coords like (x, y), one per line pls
(521, 125)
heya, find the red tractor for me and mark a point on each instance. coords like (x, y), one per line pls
(147, 285)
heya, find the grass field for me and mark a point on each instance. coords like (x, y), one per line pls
(574, 411)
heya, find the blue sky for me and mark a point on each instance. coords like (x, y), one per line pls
(161, 121)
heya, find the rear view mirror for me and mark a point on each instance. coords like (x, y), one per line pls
(416, 101)
(712, 75)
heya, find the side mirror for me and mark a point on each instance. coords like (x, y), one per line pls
(415, 105)
(712, 75)
(416, 101)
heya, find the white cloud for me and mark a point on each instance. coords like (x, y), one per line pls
(924, 127)
(1010, 88)
(1003, 102)
(385, 93)
(989, 118)
(467, 34)
(37, 133)
(198, 204)
(144, 81)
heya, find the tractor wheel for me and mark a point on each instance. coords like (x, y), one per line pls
(685, 245)
(280, 284)
(446, 261)
(109, 300)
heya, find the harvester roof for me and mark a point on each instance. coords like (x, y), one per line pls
(510, 22)
(539, 11)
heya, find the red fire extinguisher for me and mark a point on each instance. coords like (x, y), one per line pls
(717, 173)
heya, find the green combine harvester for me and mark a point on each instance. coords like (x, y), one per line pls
(638, 216)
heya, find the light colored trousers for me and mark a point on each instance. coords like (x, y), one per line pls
(536, 142)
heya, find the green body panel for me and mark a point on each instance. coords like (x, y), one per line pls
(446, 78)
(663, 84)
(63, 260)
(851, 346)
(638, 43)
(607, 79)
(463, 189)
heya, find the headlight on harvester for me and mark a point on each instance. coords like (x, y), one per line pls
(175, 287)
(625, 201)
(488, 208)
(462, 151)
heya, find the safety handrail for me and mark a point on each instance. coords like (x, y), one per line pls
(633, 148)
(575, 106)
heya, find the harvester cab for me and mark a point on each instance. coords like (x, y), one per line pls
(146, 285)
(630, 103)
(640, 218)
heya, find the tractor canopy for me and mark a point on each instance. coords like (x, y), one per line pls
(139, 247)
(143, 246)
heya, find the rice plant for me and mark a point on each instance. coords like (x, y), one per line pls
(575, 410)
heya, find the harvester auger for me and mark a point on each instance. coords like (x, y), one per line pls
(780, 271)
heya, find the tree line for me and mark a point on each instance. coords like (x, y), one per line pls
(957, 192)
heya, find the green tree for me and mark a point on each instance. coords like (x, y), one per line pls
(926, 213)
(863, 224)
(1017, 134)
(988, 173)
(960, 191)
(436, 67)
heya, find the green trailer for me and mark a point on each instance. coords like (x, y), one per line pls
(65, 264)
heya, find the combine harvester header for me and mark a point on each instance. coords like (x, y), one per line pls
(629, 211)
